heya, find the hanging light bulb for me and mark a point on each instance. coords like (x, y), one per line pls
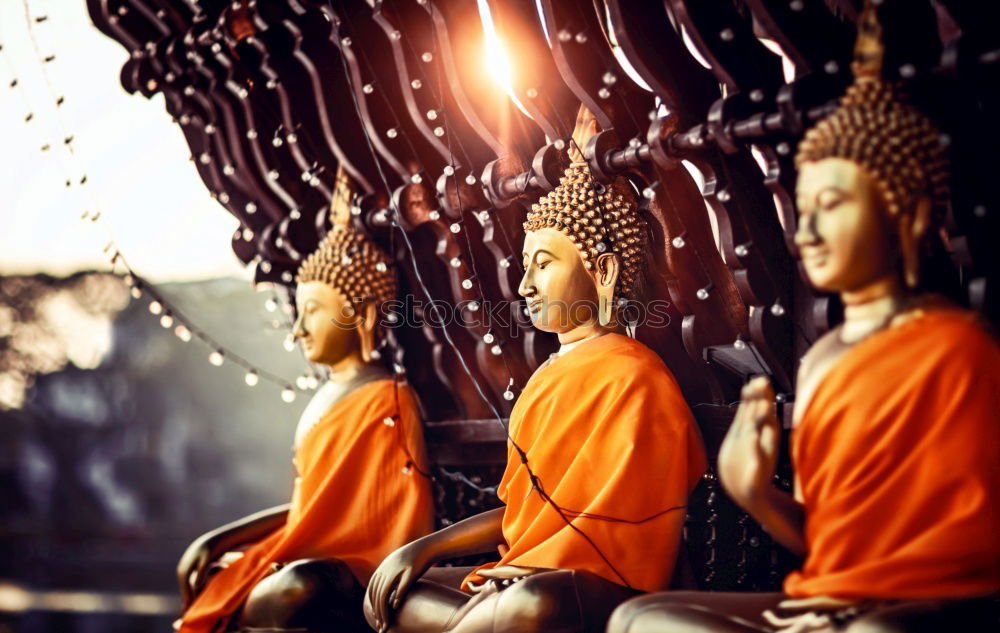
(155, 307)
(270, 305)
(302, 382)
(182, 333)
(216, 358)
(166, 321)
(288, 395)
(289, 343)
(251, 378)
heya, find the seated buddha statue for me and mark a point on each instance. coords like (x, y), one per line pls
(896, 421)
(358, 452)
(602, 450)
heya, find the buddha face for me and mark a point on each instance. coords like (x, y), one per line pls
(327, 325)
(561, 294)
(843, 233)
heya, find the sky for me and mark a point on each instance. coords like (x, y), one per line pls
(152, 202)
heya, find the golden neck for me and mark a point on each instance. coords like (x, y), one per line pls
(353, 369)
(871, 308)
(586, 332)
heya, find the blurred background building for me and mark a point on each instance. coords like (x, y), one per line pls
(119, 440)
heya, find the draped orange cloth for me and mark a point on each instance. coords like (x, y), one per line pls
(352, 500)
(608, 433)
(898, 459)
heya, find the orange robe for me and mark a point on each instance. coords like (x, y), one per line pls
(898, 461)
(352, 500)
(607, 432)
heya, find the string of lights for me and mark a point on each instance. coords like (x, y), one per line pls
(474, 280)
(169, 316)
(444, 129)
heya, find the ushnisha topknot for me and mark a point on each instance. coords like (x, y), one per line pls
(353, 265)
(598, 220)
(895, 143)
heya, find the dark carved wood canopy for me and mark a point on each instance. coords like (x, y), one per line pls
(274, 96)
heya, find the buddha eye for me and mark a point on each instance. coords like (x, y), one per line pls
(829, 200)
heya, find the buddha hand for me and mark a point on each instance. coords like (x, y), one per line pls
(749, 454)
(192, 567)
(393, 579)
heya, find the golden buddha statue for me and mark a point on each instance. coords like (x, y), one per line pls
(592, 427)
(358, 453)
(895, 439)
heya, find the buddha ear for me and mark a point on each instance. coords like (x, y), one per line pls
(910, 238)
(367, 324)
(606, 276)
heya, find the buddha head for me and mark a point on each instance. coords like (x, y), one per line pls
(872, 181)
(583, 250)
(342, 287)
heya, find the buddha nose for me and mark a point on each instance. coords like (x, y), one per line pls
(297, 330)
(527, 286)
(806, 232)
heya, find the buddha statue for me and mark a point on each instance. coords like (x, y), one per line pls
(895, 439)
(359, 454)
(582, 527)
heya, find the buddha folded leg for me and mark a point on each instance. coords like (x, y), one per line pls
(978, 615)
(318, 595)
(694, 612)
(710, 612)
(553, 601)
